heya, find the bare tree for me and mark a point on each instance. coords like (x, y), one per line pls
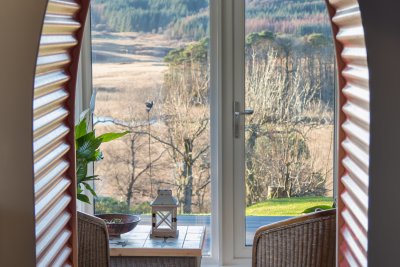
(127, 162)
(286, 112)
(185, 110)
(185, 144)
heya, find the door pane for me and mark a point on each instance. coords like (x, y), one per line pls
(290, 84)
(151, 73)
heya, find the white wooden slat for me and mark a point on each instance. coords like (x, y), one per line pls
(357, 95)
(350, 259)
(46, 63)
(355, 228)
(357, 74)
(50, 138)
(354, 208)
(62, 257)
(58, 41)
(357, 114)
(356, 172)
(60, 24)
(342, 4)
(62, 20)
(65, 7)
(53, 60)
(52, 99)
(355, 55)
(351, 35)
(51, 196)
(58, 170)
(51, 157)
(355, 137)
(347, 16)
(50, 119)
(359, 155)
(49, 122)
(52, 214)
(353, 246)
(54, 249)
(357, 193)
(54, 230)
(356, 132)
(53, 133)
(55, 78)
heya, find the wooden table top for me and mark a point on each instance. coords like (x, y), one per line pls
(138, 243)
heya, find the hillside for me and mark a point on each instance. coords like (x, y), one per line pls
(189, 18)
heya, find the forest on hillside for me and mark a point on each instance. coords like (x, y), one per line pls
(189, 18)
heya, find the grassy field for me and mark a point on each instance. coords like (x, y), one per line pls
(287, 206)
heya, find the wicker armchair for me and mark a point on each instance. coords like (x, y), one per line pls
(93, 250)
(309, 240)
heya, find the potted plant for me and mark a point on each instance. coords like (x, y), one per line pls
(88, 150)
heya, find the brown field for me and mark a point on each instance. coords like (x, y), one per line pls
(321, 148)
(128, 69)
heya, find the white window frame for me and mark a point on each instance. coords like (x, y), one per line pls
(227, 55)
(240, 248)
(83, 94)
(222, 80)
(227, 80)
(231, 74)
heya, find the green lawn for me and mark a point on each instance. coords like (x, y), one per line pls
(287, 206)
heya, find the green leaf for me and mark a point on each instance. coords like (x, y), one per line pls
(83, 198)
(81, 170)
(89, 187)
(80, 129)
(90, 178)
(98, 155)
(107, 137)
(79, 190)
(87, 146)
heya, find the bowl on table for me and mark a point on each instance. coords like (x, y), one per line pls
(118, 224)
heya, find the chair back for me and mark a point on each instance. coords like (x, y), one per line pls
(93, 247)
(308, 240)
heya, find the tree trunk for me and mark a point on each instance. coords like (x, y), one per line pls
(288, 184)
(287, 81)
(128, 200)
(252, 190)
(188, 174)
(129, 190)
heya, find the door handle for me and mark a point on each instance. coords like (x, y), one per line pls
(245, 112)
(237, 113)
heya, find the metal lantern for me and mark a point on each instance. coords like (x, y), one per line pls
(164, 211)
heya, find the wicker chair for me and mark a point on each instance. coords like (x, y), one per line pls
(93, 250)
(309, 240)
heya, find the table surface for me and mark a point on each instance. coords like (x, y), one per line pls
(137, 242)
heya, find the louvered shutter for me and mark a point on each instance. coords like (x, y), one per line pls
(353, 134)
(54, 156)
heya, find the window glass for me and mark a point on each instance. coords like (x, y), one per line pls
(290, 85)
(151, 75)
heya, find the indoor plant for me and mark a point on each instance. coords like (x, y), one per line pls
(87, 151)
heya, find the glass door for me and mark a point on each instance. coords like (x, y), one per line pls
(151, 72)
(283, 113)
